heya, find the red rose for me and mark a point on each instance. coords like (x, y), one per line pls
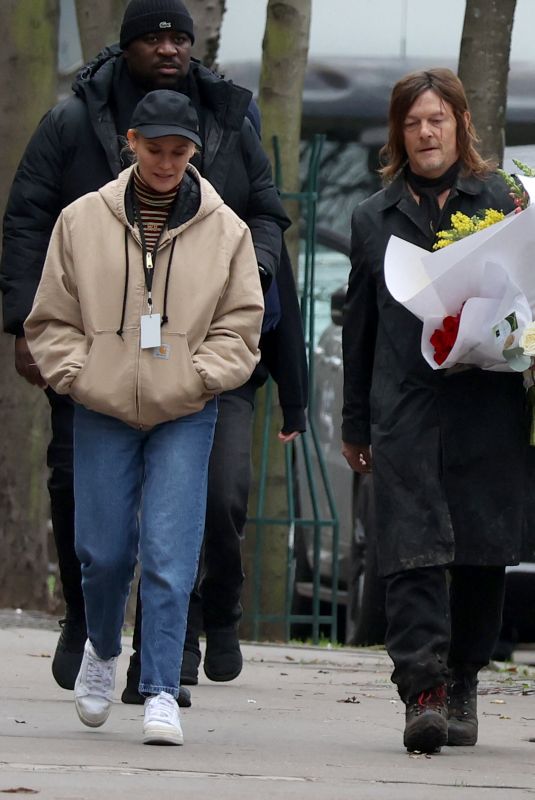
(444, 338)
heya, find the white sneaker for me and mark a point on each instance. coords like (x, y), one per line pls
(161, 724)
(93, 690)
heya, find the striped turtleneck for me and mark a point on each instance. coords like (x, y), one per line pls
(154, 208)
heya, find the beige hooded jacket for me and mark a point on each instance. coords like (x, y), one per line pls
(214, 308)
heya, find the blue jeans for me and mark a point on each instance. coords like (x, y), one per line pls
(141, 489)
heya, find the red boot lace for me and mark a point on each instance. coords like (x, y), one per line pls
(434, 698)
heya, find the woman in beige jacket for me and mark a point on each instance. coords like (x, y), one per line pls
(149, 306)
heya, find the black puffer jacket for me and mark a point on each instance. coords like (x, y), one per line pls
(77, 149)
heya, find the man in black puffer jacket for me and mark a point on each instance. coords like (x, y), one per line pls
(77, 149)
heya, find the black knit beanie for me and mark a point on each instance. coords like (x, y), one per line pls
(149, 16)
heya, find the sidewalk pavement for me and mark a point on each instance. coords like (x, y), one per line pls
(299, 722)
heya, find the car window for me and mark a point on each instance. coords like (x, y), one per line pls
(331, 272)
(345, 178)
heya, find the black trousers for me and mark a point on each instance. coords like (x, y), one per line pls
(61, 491)
(442, 620)
(215, 601)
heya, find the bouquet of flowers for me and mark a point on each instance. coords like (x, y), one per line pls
(475, 293)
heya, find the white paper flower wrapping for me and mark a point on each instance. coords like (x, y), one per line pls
(490, 275)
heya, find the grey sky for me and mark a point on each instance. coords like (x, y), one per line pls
(371, 27)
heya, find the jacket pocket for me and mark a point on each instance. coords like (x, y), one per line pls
(169, 385)
(107, 381)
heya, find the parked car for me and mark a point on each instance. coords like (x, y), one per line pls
(361, 592)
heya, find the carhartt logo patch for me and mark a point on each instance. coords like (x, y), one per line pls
(162, 351)
(165, 24)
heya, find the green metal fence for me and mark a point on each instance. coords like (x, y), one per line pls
(311, 453)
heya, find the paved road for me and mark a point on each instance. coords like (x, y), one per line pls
(305, 723)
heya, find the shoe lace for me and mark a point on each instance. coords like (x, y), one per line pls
(99, 676)
(163, 707)
(432, 698)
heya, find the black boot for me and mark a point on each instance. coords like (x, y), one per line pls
(223, 659)
(426, 721)
(189, 674)
(69, 651)
(462, 712)
(131, 695)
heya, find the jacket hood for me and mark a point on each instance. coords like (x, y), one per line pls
(206, 199)
(226, 99)
(90, 70)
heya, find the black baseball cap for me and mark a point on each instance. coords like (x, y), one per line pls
(166, 113)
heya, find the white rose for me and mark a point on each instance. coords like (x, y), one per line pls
(527, 339)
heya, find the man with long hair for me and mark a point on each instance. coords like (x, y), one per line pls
(447, 447)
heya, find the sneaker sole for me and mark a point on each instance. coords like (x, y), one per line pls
(162, 736)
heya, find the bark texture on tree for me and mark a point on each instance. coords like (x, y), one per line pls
(484, 69)
(207, 20)
(285, 53)
(99, 23)
(280, 94)
(28, 71)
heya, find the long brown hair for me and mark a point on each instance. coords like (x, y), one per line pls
(449, 88)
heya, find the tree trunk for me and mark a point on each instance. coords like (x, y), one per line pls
(207, 18)
(99, 22)
(280, 95)
(484, 69)
(285, 51)
(28, 70)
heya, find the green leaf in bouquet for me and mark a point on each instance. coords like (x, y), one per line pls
(516, 359)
